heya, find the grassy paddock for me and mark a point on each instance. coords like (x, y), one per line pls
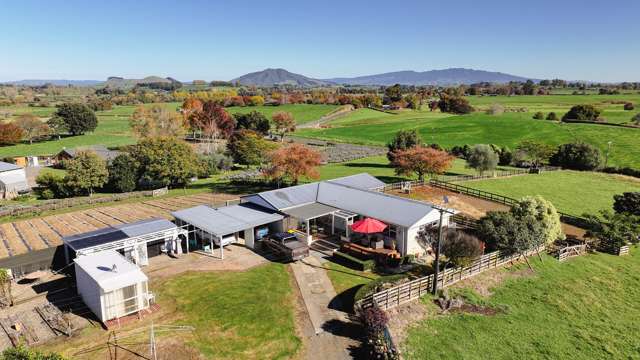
(574, 192)
(303, 113)
(581, 309)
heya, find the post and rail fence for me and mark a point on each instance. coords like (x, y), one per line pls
(415, 289)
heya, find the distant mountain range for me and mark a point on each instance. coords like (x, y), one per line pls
(273, 77)
(453, 76)
(61, 82)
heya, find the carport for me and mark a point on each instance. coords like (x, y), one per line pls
(219, 224)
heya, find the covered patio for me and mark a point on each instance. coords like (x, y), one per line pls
(316, 219)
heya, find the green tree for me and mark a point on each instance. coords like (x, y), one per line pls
(482, 158)
(32, 127)
(403, 140)
(534, 152)
(123, 173)
(577, 156)
(51, 185)
(85, 172)
(628, 202)
(57, 125)
(539, 115)
(249, 148)
(460, 248)
(584, 112)
(253, 120)
(544, 213)
(165, 162)
(78, 118)
(454, 104)
(552, 116)
(392, 94)
(503, 231)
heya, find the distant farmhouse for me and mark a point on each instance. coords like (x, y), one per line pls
(100, 150)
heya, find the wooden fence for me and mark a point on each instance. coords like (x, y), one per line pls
(571, 251)
(501, 199)
(412, 290)
(72, 202)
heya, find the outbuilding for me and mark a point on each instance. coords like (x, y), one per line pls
(136, 241)
(13, 180)
(111, 286)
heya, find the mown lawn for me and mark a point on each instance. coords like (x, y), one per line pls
(303, 113)
(237, 315)
(376, 128)
(573, 192)
(585, 308)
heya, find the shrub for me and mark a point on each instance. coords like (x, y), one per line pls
(123, 173)
(460, 151)
(353, 262)
(582, 113)
(577, 156)
(21, 352)
(552, 116)
(505, 232)
(460, 247)
(628, 202)
(375, 322)
(482, 158)
(454, 104)
(495, 109)
(629, 106)
(636, 119)
(51, 185)
(253, 120)
(611, 231)
(538, 115)
(505, 156)
(10, 134)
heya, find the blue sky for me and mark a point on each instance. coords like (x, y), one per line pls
(592, 40)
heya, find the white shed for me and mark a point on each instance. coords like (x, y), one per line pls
(111, 286)
(13, 180)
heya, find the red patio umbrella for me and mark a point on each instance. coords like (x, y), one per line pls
(368, 226)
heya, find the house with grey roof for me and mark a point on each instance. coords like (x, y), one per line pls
(102, 151)
(317, 209)
(13, 180)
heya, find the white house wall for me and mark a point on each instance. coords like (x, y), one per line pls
(89, 292)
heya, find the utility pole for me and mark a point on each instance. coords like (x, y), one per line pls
(435, 278)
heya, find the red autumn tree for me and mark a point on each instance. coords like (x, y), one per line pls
(421, 160)
(213, 121)
(293, 162)
(10, 134)
(283, 123)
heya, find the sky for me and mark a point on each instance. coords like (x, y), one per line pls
(221, 40)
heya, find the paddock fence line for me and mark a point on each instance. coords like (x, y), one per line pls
(501, 199)
(415, 289)
(571, 251)
(72, 202)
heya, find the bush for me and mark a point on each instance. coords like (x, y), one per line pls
(460, 247)
(375, 322)
(123, 174)
(538, 115)
(611, 231)
(21, 352)
(628, 202)
(460, 151)
(353, 262)
(495, 109)
(577, 156)
(582, 113)
(636, 119)
(505, 232)
(215, 163)
(51, 185)
(622, 171)
(552, 116)
(629, 106)
(544, 213)
(454, 104)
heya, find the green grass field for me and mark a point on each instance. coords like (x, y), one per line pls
(573, 192)
(585, 308)
(113, 126)
(509, 129)
(246, 314)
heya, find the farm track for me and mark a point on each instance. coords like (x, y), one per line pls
(22, 236)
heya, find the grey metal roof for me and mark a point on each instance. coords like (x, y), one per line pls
(228, 219)
(284, 198)
(360, 181)
(117, 232)
(5, 166)
(384, 207)
(291, 196)
(310, 211)
(102, 151)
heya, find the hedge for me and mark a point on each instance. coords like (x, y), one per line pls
(357, 264)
